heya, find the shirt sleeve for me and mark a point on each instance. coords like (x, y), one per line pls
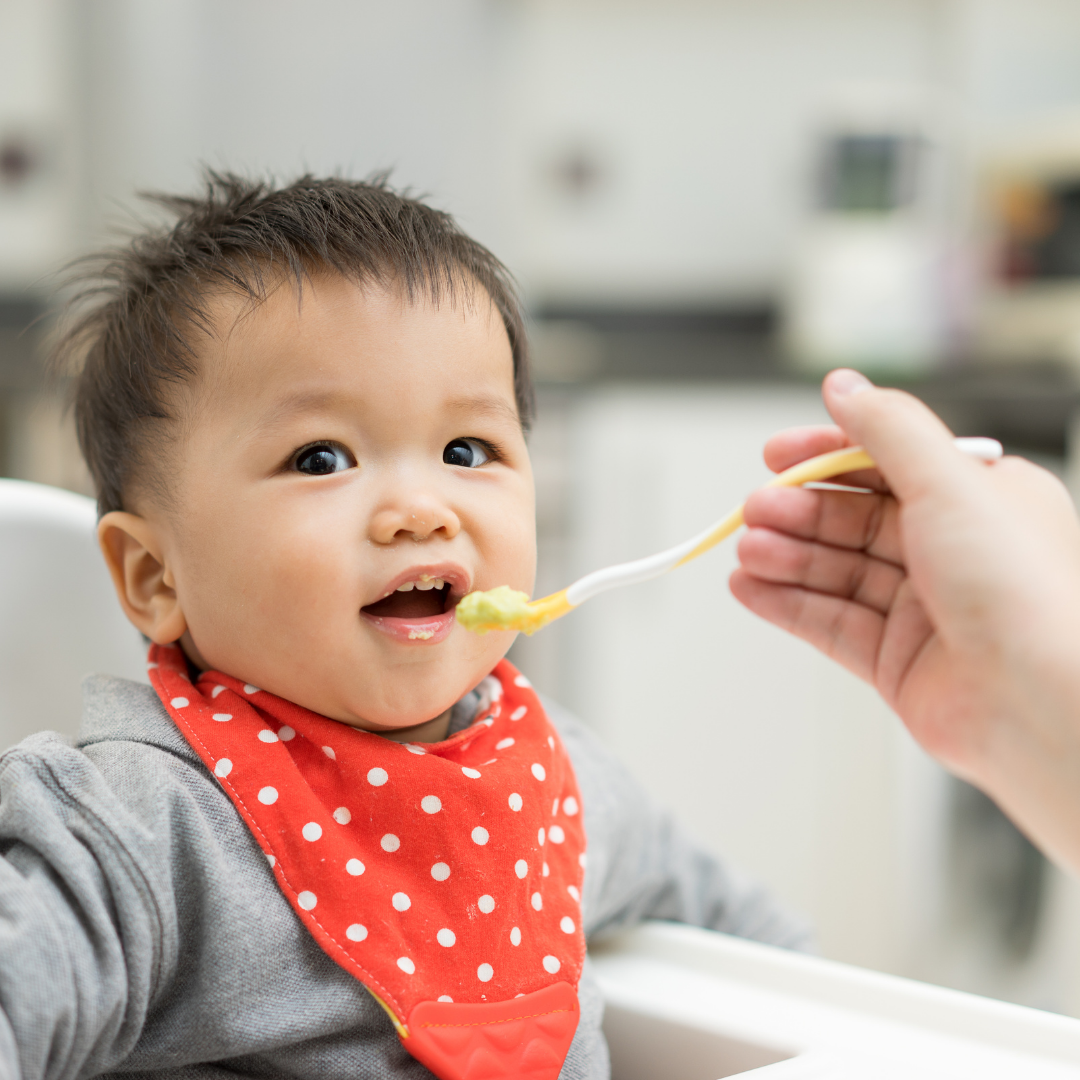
(642, 865)
(80, 933)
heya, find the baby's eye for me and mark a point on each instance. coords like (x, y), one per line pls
(468, 453)
(321, 459)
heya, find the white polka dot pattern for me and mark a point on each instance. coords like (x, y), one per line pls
(464, 859)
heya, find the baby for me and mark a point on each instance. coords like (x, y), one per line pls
(338, 835)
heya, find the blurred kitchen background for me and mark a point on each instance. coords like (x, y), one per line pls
(708, 203)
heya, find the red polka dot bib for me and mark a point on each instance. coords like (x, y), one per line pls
(445, 876)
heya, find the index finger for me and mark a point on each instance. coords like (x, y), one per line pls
(787, 448)
(795, 445)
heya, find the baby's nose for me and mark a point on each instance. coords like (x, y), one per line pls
(418, 522)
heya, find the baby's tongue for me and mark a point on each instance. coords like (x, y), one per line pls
(415, 604)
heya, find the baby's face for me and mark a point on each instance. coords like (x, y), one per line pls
(352, 467)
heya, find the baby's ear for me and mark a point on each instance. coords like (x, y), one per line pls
(144, 583)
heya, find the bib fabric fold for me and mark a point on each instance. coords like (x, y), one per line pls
(445, 876)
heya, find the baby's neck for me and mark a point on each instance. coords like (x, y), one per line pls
(427, 732)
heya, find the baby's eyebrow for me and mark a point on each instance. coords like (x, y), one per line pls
(286, 408)
(486, 405)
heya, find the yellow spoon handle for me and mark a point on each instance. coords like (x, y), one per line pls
(822, 467)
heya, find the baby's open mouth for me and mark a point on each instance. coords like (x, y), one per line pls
(423, 598)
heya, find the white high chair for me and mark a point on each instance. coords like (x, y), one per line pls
(59, 618)
(682, 1003)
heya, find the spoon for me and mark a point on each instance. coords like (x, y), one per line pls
(504, 608)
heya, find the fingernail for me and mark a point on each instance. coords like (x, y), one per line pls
(845, 382)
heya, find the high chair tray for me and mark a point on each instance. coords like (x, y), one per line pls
(690, 1004)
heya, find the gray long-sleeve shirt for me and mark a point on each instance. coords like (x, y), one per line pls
(143, 934)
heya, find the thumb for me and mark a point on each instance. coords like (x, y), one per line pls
(913, 449)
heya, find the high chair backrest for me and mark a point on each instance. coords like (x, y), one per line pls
(59, 617)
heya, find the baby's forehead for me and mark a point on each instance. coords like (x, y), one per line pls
(330, 338)
(318, 304)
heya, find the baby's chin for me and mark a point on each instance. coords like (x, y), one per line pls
(397, 711)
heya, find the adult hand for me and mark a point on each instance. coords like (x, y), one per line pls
(954, 589)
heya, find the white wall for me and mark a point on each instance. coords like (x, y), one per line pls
(773, 756)
(270, 85)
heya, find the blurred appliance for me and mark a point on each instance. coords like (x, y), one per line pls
(1030, 306)
(869, 284)
(38, 195)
